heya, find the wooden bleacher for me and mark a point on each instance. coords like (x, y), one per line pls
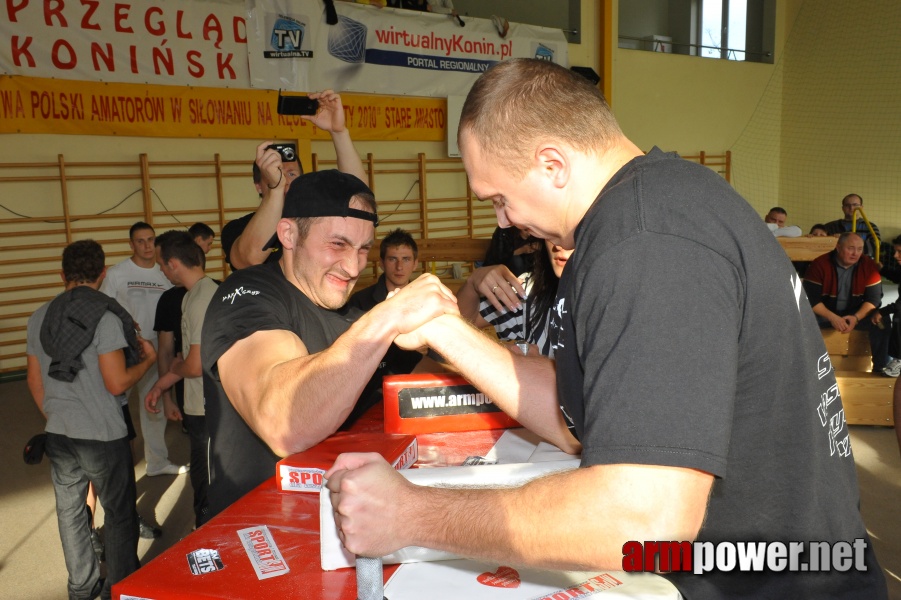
(866, 396)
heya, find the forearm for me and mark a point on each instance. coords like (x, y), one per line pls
(864, 309)
(167, 380)
(821, 311)
(524, 387)
(306, 399)
(578, 520)
(348, 160)
(35, 382)
(248, 247)
(468, 300)
(134, 373)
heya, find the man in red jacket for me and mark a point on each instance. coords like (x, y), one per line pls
(844, 287)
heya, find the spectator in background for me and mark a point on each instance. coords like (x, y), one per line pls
(87, 437)
(844, 288)
(203, 236)
(514, 248)
(517, 307)
(181, 260)
(397, 256)
(775, 220)
(137, 284)
(243, 239)
(850, 204)
(890, 315)
(818, 230)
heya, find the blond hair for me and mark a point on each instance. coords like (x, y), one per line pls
(518, 103)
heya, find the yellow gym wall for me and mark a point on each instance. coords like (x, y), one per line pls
(676, 102)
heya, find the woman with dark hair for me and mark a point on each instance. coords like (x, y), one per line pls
(517, 307)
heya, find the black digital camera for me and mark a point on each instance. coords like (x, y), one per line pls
(296, 105)
(288, 152)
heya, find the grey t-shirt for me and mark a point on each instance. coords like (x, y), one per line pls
(83, 409)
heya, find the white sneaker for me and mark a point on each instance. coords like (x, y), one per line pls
(893, 369)
(169, 469)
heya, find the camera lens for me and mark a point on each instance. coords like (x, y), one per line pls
(288, 154)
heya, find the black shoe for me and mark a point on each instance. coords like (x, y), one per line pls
(97, 545)
(148, 531)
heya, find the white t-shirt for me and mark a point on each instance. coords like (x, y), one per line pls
(138, 290)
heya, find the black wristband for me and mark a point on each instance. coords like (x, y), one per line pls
(272, 187)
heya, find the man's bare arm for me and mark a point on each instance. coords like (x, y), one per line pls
(247, 249)
(524, 387)
(577, 520)
(116, 376)
(293, 399)
(331, 118)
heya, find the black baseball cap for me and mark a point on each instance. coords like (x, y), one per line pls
(324, 194)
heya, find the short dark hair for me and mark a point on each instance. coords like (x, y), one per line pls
(778, 209)
(83, 261)
(181, 245)
(858, 196)
(818, 226)
(138, 227)
(398, 237)
(896, 241)
(201, 230)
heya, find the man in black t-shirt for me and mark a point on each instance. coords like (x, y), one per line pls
(285, 362)
(708, 411)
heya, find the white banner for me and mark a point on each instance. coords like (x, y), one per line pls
(381, 51)
(199, 43)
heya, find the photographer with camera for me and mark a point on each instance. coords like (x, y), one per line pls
(243, 239)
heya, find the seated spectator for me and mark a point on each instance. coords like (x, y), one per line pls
(514, 248)
(818, 230)
(775, 220)
(491, 296)
(844, 287)
(397, 257)
(850, 204)
(285, 362)
(890, 316)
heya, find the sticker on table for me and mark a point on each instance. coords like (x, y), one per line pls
(474, 580)
(264, 555)
(204, 560)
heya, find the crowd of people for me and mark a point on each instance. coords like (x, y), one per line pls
(844, 286)
(283, 353)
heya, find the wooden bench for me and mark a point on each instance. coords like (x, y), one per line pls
(805, 249)
(866, 396)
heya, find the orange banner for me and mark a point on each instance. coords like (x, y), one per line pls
(33, 105)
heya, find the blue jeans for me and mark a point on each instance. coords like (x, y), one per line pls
(108, 465)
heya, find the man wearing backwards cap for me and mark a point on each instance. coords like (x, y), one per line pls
(284, 361)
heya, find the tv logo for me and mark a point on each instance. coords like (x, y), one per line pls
(287, 39)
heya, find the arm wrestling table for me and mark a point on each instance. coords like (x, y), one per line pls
(291, 520)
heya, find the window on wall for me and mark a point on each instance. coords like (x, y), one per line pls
(739, 30)
(723, 28)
